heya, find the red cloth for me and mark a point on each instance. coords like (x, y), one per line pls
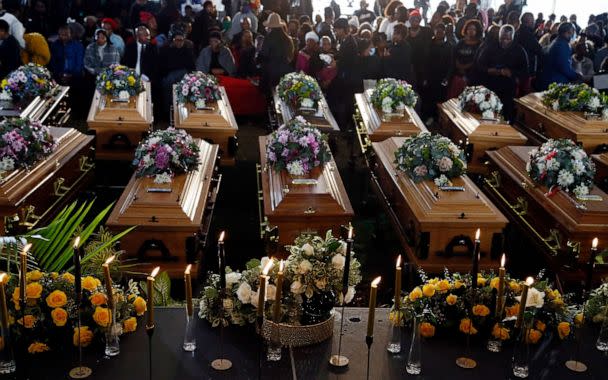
(110, 21)
(244, 97)
(457, 85)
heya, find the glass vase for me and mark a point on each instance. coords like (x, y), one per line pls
(602, 339)
(273, 353)
(7, 360)
(413, 365)
(113, 336)
(494, 343)
(394, 330)
(521, 355)
(189, 337)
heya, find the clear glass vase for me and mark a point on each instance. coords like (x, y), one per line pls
(521, 355)
(273, 353)
(494, 343)
(7, 360)
(189, 337)
(602, 339)
(413, 365)
(113, 336)
(394, 330)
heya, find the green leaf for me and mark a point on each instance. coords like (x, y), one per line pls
(162, 289)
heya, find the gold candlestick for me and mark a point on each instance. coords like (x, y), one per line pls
(277, 300)
(150, 288)
(23, 278)
(108, 278)
(523, 300)
(372, 307)
(398, 284)
(4, 318)
(501, 288)
(262, 288)
(188, 287)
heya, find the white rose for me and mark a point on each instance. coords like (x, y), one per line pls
(342, 248)
(535, 298)
(124, 95)
(232, 278)
(555, 105)
(308, 250)
(479, 97)
(304, 267)
(244, 293)
(338, 261)
(594, 102)
(387, 101)
(254, 299)
(271, 292)
(350, 294)
(296, 287)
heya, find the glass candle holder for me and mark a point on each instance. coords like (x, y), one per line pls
(7, 360)
(189, 337)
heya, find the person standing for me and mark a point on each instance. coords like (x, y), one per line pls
(419, 37)
(438, 75)
(9, 50)
(276, 54)
(398, 64)
(364, 14)
(557, 61)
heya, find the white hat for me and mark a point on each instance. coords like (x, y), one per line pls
(311, 36)
(354, 21)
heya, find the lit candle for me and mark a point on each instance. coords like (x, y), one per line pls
(523, 300)
(106, 274)
(262, 288)
(150, 303)
(590, 264)
(345, 275)
(23, 278)
(475, 270)
(77, 271)
(372, 307)
(188, 287)
(277, 300)
(398, 284)
(501, 287)
(221, 254)
(3, 301)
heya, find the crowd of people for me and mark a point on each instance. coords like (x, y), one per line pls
(508, 50)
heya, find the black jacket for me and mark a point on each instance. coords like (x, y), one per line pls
(526, 38)
(398, 64)
(9, 56)
(149, 64)
(172, 58)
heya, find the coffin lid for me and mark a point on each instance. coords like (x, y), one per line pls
(182, 207)
(141, 113)
(220, 118)
(38, 109)
(325, 121)
(16, 186)
(601, 158)
(328, 197)
(478, 129)
(411, 124)
(449, 206)
(511, 161)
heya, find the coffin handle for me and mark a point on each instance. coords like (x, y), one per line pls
(58, 189)
(263, 221)
(85, 164)
(28, 218)
(362, 136)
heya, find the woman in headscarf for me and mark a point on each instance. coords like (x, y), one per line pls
(308, 54)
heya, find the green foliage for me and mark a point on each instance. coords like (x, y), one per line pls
(161, 290)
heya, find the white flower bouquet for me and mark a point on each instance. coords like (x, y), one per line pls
(575, 97)
(480, 100)
(393, 95)
(299, 90)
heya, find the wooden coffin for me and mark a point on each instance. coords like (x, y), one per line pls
(436, 228)
(51, 110)
(216, 125)
(372, 127)
(476, 135)
(119, 127)
(601, 174)
(540, 123)
(560, 225)
(172, 221)
(30, 198)
(322, 119)
(297, 208)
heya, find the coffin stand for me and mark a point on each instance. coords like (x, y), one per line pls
(31, 198)
(436, 228)
(216, 125)
(560, 225)
(372, 127)
(540, 123)
(118, 126)
(322, 119)
(476, 135)
(601, 166)
(289, 208)
(51, 110)
(171, 226)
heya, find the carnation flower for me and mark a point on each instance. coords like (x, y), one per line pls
(304, 267)
(338, 261)
(565, 178)
(445, 164)
(233, 278)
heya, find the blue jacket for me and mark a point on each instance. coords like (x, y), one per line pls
(68, 59)
(557, 64)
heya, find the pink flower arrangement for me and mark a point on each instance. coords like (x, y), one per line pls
(197, 88)
(23, 143)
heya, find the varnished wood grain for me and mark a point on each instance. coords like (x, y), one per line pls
(326, 123)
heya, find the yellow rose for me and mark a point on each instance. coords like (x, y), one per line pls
(37, 347)
(131, 297)
(434, 281)
(451, 299)
(68, 277)
(28, 321)
(533, 336)
(428, 290)
(4, 83)
(98, 299)
(90, 283)
(466, 326)
(129, 325)
(499, 332)
(54, 275)
(579, 319)
(56, 299)
(442, 286)
(16, 296)
(33, 291)
(512, 311)
(427, 330)
(514, 286)
(86, 336)
(540, 326)
(563, 329)
(481, 281)
(494, 283)
(558, 302)
(140, 306)
(415, 294)
(131, 80)
(60, 316)
(481, 310)
(396, 317)
(458, 284)
(34, 275)
(108, 85)
(102, 316)
(553, 294)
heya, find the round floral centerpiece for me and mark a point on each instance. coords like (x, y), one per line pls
(392, 95)
(575, 97)
(119, 82)
(480, 100)
(23, 143)
(27, 82)
(299, 91)
(297, 147)
(166, 153)
(197, 88)
(561, 164)
(430, 157)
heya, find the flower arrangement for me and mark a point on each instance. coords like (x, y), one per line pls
(165, 153)
(561, 164)
(119, 81)
(197, 88)
(50, 314)
(299, 90)
(23, 143)
(298, 147)
(28, 81)
(478, 99)
(575, 97)
(430, 157)
(392, 95)
(596, 305)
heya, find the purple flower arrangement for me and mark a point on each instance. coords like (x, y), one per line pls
(119, 81)
(197, 88)
(166, 152)
(23, 143)
(28, 81)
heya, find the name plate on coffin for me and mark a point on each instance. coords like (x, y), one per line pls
(168, 223)
(475, 134)
(559, 223)
(436, 228)
(540, 123)
(321, 117)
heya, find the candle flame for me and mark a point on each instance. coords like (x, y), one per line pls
(281, 266)
(109, 260)
(2, 277)
(77, 242)
(376, 281)
(350, 232)
(267, 267)
(154, 272)
(503, 259)
(187, 271)
(529, 281)
(26, 248)
(477, 234)
(221, 239)
(594, 243)
(399, 261)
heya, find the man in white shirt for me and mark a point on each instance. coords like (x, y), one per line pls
(16, 28)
